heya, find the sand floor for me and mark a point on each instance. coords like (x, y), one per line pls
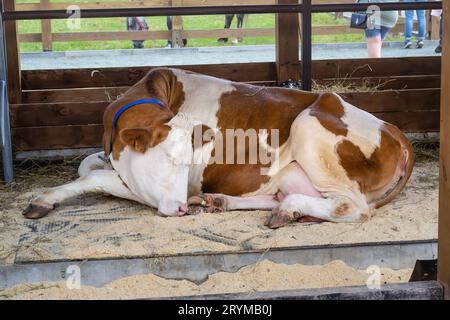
(262, 276)
(97, 226)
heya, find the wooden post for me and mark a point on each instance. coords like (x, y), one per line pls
(177, 26)
(444, 175)
(13, 57)
(46, 26)
(434, 25)
(287, 44)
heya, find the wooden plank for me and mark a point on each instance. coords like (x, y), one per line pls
(444, 182)
(122, 77)
(383, 67)
(60, 137)
(57, 114)
(72, 95)
(242, 72)
(404, 102)
(146, 35)
(400, 100)
(107, 35)
(384, 83)
(163, 34)
(416, 121)
(84, 136)
(12, 56)
(46, 28)
(287, 44)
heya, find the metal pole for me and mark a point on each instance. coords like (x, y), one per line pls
(306, 45)
(5, 130)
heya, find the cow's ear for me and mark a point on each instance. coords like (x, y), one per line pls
(140, 139)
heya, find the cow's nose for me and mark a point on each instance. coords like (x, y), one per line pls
(182, 210)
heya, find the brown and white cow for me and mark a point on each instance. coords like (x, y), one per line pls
(336, 162)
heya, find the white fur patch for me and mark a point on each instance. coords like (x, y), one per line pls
(202, 95)
(159, 176)
(363, 128)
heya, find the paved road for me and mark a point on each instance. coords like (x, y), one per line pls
(185, 56)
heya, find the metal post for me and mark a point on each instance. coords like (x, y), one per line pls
(306, 44)
(5, 130)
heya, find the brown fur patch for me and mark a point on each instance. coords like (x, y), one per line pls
(375, 173)
(341, 210)
(253, 107)
(328, 109)
(159, 83)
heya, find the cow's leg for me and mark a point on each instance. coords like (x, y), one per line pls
(104, 181)
(222, 203)
(91, 162)
(296, 207)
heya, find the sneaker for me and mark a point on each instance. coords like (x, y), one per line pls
(438, 49)
(420, 44)
(408, 44)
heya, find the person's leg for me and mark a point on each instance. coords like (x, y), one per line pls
(409, 23)
(422, 27)
(439, 47)
(373, 37)
(169, 27)
(228, 21)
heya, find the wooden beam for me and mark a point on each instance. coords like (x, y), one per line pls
(177, 26)
(123, 77)
(287, 44)
(444, 176)
(12, 56)
(46, 28)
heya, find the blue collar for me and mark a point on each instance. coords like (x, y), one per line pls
(125, 108)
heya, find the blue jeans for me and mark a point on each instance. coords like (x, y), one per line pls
(377, 32)
(409, 22)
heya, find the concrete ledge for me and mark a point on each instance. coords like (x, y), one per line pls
(197, 267)
(426, 290)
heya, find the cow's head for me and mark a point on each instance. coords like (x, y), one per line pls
(160, 155)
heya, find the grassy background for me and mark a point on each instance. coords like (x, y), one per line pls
(159, 23)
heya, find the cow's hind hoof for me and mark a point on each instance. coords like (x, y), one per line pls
(37, 210)
(279, 219)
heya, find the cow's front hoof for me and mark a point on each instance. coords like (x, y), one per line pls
(207, 203)
(37, 210)
(279, 218)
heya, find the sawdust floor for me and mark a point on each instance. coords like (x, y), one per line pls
(97, 226)
(262, 276)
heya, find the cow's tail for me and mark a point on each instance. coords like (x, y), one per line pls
(405, 167)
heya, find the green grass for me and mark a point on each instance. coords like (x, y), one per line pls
(159, 23)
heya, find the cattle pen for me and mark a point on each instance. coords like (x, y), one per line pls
(55, 111)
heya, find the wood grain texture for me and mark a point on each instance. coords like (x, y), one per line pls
(287, 44)
(57, 137)
(122, 77)
(444, 176)
(12, 57)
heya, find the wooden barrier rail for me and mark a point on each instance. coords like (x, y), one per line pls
(47, 37)
(64, 108)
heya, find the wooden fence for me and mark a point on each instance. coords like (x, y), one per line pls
(47, 37)
(63, 108)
